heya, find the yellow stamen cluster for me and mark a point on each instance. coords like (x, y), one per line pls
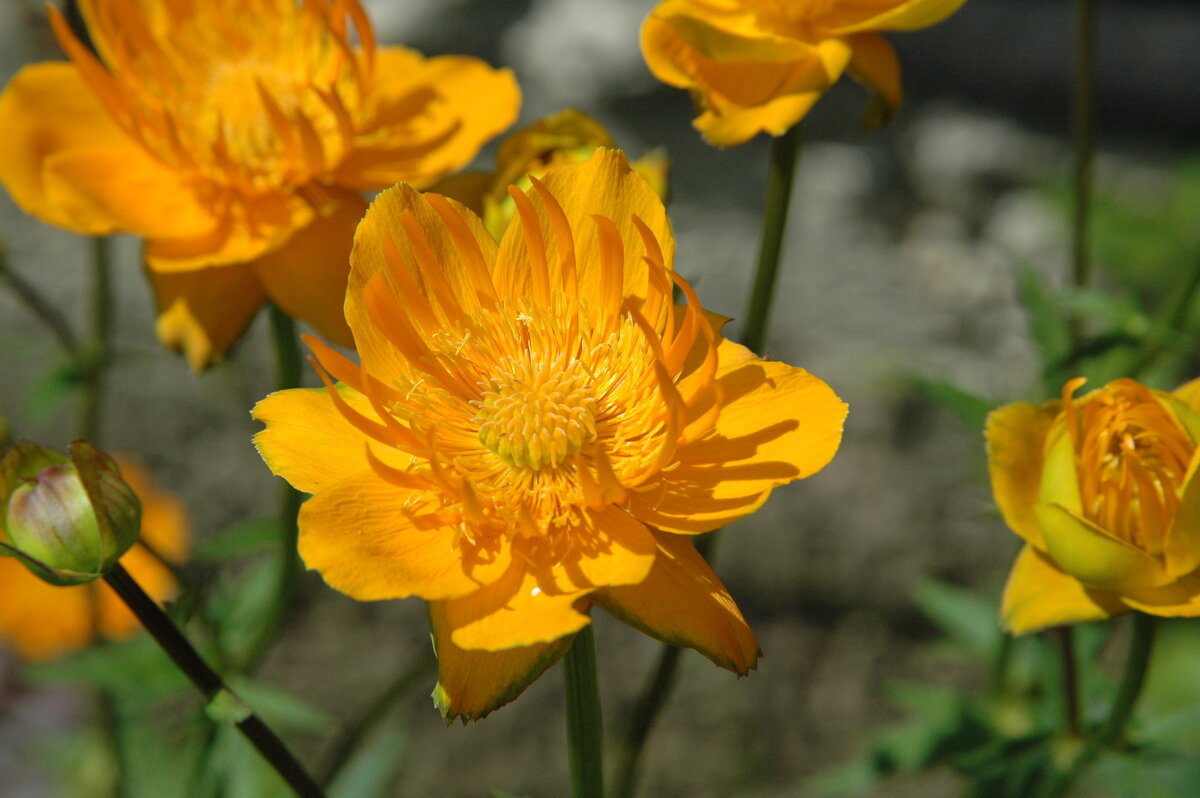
(1131, 457)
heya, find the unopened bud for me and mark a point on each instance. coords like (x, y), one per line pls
(68, 518)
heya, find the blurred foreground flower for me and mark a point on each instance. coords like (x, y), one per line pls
(234, 137)
(1102, 489)
(41, 620)
(535, 428)
(759, 65)
(568, 136)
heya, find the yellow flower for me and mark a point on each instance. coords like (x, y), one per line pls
(234, 137)
(41, 621)
(569, 136)
(759, 65)
(1102, 489)
(535, 428)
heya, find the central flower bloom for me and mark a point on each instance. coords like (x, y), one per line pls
(535, 428)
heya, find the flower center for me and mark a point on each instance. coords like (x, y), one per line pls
(537, 412)
(1132, 458)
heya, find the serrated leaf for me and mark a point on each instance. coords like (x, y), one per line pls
(247, 537)
(1048, 321)
(241, 609)
(970, 408)
(137, 667)
(279, 708)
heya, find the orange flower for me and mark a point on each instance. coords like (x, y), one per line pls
(234, 136)
(1103, 490)
(41, 621)
(535, 428)
(759, 65)
(569, 136)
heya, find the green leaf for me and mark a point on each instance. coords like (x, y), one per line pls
(279, 708)
(136, 668)
(1048, 322)
(240, 609)
(970, 408)
(374, 766)
(968, 619)
(51, 389)
(247, 537)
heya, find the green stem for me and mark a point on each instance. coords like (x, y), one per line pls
(1083, 132)
(288, 362)
(585, 731)
(37, 304)
(785, 152)
(1065, 638)
(1112, 731)
(1171, 323)
(96, 353)
(210, 684)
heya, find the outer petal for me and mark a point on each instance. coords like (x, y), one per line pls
(427, 117)
(1189, 394)
(602, 185)
(613, 548)
(473, 683)
(1089, 554)
(911, 15)
(1039, 594)
(683, 603)
(307, 441)
(367, 539)
(307, 276)
(778, 423)
(1016, 439)
(1181, 551)
(513, 611)
(875, 65)
(203, 312)
(1180, 599)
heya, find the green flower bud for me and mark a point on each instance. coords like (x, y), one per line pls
(68, 518)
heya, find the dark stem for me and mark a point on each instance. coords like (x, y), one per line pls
(37, 304)
(585, 731)
(1064, 637)
(96, 354)
(645, 712)
(1083, 132)
(785, 151)
(209, 683)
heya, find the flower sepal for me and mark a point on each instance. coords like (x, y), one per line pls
(68, 518)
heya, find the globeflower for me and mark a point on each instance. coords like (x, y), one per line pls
(234, 137)
(1102, 489)
(41, 621)
(759, 65)
(535, 428)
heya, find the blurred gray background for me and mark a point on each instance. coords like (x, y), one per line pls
(903, 250)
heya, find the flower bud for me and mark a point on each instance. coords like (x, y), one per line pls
(67, 518)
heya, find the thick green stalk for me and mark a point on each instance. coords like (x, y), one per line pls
(785, 152)
(1065, 638)
(1112, 731)
(585, 730)
(96, 353)
(211, 685)
(1083, 134)
(288, 363)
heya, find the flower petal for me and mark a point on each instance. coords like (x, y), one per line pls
(427, 117)
(1180, 599)
(611, 548)
(1181, 549)
(471, 684)
(307, 441)
(683, 603)
(203, 312)
(1060, 478)
(911, 15)
(603, 185)
(1016, 439)
(779, 423)
(307, 275)
(1038, 594)
(513, 611)
(1087, 553)
(369, 540)
(1189, 394)
(875, 65)
(40, 620)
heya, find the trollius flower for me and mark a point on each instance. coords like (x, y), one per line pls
(234, 136)
(535, 428)
(759, 65)
(1103, 489)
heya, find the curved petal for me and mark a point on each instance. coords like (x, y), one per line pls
(513, 611)
(778, 423)
(1016, 439)
(427, 117)
(910, 15)
(307, 275)
(875, 65)
(1189, 394)
(1181, 549)
(1180, 599)
(1038, 595)
(466, 274)
(610, 548)
(1060, 475)
(731, 126)
(202, 313)
(368, 540)
(675, 30)
(472, 684)
(307, 441)
(1089, 554)
(683, 603)
(603, 185)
